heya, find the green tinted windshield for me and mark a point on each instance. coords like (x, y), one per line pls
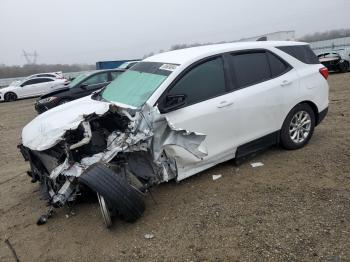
(136, 85)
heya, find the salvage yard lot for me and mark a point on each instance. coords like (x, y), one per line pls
(295, 207)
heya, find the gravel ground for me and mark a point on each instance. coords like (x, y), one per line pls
(294, 208)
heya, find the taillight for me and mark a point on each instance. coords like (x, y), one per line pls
(324, 72)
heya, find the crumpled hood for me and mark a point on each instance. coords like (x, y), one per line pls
(47, 129)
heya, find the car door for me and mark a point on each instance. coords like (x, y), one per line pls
(266, 87)
(93, 83)
(208, 110)
(30, 87)
(47, 85)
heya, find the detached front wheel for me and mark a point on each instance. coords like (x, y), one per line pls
(114, 193)
(298, 127)
(106, 214)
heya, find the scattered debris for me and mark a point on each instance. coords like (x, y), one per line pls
(43, 218)
(7, 242)
(256, 164)
(216, 177)
(149, 236)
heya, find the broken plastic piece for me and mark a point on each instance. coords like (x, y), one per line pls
(216, 177)
(149, 236)
(256, 164)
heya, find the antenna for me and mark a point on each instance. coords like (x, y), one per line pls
(30, 57)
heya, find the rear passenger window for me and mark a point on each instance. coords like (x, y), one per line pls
(44, 80)
(277, 65)
(203, 82)
(301, 52)
(250, 68)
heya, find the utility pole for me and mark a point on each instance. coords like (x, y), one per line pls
(30, 57)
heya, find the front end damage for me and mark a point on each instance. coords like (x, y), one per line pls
(130, 142)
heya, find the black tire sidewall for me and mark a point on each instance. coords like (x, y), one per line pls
(344, 67)
(9, 94)
(285, 139)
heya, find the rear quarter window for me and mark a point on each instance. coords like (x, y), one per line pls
(277, 65)
(301, 52)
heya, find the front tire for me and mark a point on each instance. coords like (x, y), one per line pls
(298, 127)
(10, 96)
(117, 193)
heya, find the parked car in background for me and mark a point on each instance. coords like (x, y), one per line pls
(58, 75)
(31, 87)
(82, 85)
(174, 115)
(336, 60)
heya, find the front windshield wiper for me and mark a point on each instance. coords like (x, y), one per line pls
(97, 95)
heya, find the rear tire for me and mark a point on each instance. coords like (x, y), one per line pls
(344, 67)
(10, 96)
(116, 191)
(298, 127)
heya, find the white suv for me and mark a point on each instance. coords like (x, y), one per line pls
(173, 115)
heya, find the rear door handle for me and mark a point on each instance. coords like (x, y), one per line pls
(224, 104)
(286, 83)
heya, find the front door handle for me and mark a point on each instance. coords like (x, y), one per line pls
(286, 83)
(224, 104)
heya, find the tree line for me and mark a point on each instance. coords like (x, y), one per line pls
(30, 69)
(327, 35)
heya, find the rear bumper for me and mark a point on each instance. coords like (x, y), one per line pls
(322, 115)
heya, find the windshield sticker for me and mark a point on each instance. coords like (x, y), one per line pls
(168, 67)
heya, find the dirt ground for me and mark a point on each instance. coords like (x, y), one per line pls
(294, 208)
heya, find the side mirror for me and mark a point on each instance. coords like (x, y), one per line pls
(172, 102)
(83, 86)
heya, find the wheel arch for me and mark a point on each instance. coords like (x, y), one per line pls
(11, 92)
(314, 109)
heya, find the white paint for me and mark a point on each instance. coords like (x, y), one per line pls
(22, 90)
(216, 177)
(198, 136)
(256, 164)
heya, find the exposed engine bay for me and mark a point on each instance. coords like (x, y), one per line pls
(132, 143)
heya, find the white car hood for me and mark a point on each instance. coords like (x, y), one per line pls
(47, 129)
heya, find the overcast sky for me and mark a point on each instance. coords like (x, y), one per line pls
(86, 31)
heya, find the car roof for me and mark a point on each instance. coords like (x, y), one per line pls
(106, 70)
(182, 56)
(41, 77)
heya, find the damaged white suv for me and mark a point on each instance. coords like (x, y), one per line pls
(173, 115)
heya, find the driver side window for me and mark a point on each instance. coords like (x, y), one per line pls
(96, 79)
(205, 81)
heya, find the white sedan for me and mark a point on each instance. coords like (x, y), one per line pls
(31, 87)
